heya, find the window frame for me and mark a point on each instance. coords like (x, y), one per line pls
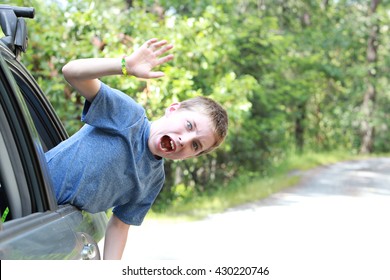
(28, 146)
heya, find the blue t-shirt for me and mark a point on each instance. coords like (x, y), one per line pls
(107, 163)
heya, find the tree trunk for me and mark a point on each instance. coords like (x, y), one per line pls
(367, 127)
(299, 126)
(301, 107)
(129, 3)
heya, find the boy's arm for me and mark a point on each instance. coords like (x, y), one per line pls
(115, 239)
(83, 74)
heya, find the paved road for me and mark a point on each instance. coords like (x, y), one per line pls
(335, 222)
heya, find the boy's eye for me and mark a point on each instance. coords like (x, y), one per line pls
(189, 125)
(195, 146)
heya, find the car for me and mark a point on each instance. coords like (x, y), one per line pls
(33, 225)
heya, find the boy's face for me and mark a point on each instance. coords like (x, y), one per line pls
(180, 134)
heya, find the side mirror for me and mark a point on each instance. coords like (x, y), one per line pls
(14, 27)
(8, 22)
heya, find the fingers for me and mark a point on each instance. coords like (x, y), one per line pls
(150, 42)
(153, 51)
(164, 59)
(158, 47)
(157, 74)
(154, 44)
(163, 49)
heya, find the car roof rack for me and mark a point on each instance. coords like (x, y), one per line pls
(14, 27)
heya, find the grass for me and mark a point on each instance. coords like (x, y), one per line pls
(243, 190)
(202, 205)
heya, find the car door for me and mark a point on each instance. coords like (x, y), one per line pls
(33, 225)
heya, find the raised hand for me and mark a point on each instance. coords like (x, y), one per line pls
(142, 61)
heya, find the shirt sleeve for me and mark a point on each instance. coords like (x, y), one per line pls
(112, 110)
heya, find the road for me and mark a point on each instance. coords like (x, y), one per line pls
(335, 223)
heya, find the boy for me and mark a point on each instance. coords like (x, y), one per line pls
(116, 159)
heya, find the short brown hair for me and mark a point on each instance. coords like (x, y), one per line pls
(214, 111)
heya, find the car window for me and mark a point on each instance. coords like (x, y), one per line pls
(24, 178)
(49, 127)
(14, 194)
(6, 181)
(10, 202)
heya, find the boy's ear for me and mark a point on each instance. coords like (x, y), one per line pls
(172, 108)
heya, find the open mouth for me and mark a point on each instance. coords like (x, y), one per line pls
(167, 144)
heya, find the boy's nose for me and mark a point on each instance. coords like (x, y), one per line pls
(181, 142)
(184, 139)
